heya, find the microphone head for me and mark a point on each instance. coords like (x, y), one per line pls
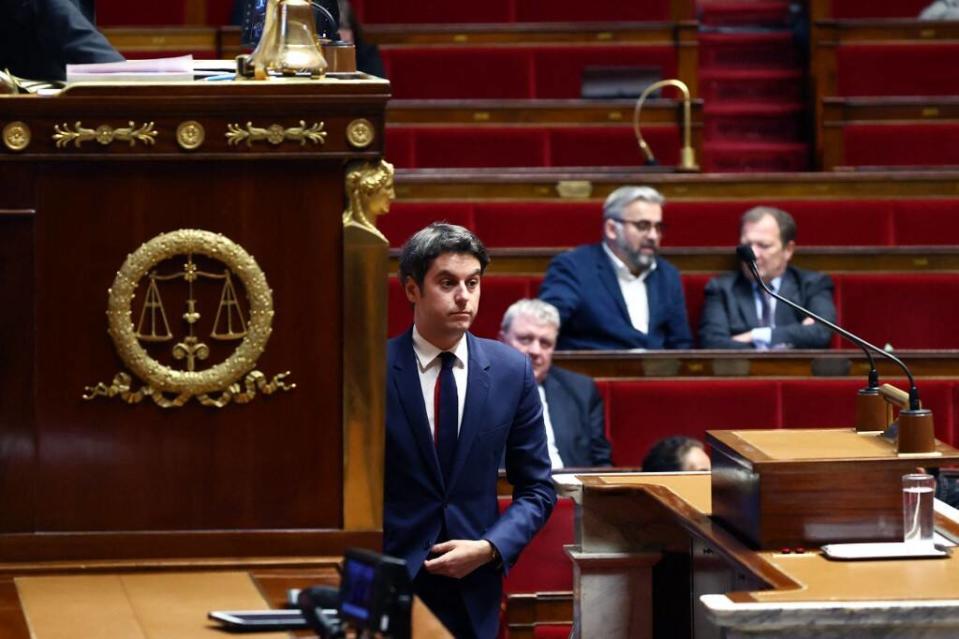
(745, 253)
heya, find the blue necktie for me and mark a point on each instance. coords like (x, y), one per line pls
(766, 318)
(447, 416)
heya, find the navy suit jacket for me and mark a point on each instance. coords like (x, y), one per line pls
(730, 309)
(577, 417)
(38, 38)
(502, 413)
(582, 284)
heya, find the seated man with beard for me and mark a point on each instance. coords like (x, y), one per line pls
(617, 293)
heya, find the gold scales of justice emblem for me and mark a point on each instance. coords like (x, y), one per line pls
(169, 386)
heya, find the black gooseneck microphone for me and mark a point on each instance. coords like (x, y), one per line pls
(745, 254)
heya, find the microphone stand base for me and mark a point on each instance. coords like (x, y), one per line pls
(873, 413)
(916, 432)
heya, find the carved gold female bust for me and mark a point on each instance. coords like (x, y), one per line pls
(369, 189)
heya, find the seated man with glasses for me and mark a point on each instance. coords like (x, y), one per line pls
(617, 294)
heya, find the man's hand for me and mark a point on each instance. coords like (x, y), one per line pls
(459, 557)
(808, 321)
(745, 338)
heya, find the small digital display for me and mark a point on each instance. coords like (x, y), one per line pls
(356, 592)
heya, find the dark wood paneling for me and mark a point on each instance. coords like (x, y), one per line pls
(17, 445)
(261, 478)
(107, 466)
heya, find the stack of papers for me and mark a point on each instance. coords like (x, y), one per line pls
(155, 70)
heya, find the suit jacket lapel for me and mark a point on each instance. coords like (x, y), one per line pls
(608, 277)
(746, 300)
(407, 379)
(560, 413)
(477, 392)
(789, 289)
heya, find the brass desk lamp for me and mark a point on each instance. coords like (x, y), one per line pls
(687, 157)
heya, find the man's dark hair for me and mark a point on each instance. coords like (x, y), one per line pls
(787, 225)
(666, 455)
(427, 244)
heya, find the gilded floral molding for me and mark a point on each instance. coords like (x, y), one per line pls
(104, 134)
(276, 134)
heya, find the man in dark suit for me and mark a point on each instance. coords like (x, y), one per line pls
(618, 294)
(455, 406)
(572, 408)
(738, 314)
(38, 38)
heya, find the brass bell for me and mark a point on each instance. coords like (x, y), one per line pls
(266, 49)
(288, 44)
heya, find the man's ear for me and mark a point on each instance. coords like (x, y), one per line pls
(412, 290)
(501, 337)
(789, 249)
(609, 230)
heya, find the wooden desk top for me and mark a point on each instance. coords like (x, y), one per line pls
(224, 585)
(806, 577)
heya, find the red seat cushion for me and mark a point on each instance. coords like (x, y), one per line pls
(543, 566)
(537, 224)
(558, 70)
(877, 8)
(925, 144)
(459, 72)
(906, 310)
(932, 221)
(123, 13)
(642, 412)
(693, 286)
(406, 218)
(432, 11)
(890, 69)
(596, 11)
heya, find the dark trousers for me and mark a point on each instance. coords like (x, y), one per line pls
(442, 596)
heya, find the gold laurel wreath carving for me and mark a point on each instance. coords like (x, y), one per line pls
(221, 378)
(104, 134)
(276, 134)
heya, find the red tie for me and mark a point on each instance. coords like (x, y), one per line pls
(446, 414)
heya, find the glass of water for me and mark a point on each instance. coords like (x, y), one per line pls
(918, 491)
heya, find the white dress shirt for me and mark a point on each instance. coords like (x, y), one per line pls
(763, 335)
(633, 288)
(429, 365)
(555, 460)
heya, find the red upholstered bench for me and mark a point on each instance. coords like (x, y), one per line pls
(643, 411)
(548, 71)
(829, 403)
(123, 13)
(912, 310)
(544, 566)
(640, 412)
(919, 144)
(693, 286)
(444, 146)
(923, 222)
(847, 9)
(569, 223)
(433, 11)
(891, 69)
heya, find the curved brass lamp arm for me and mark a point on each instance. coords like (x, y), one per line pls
(687, 161)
